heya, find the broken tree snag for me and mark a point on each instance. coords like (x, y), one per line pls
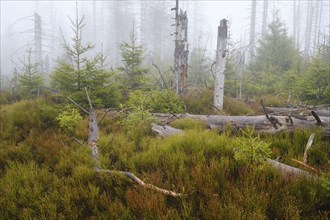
(317, 118)
(220, 65)
(93, 130)
(272, 119)
(93, 133)
(308, 145)
(181, 49)
(143, 184)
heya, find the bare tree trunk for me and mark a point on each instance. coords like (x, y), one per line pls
(298, 25)
(252, 30)
(261, 123)
(38, 43)
(316, 23)
(181, 49)
(294, 20)
(220, 64)
(264, 17)
(309, 25)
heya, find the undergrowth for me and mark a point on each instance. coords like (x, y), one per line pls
(46, 174)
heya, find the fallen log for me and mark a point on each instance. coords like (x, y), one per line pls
(286, 170)
(260, 123)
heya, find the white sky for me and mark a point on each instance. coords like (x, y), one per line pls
(210, 13)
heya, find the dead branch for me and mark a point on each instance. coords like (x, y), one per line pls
(143, 184)
(317, 118)
(84, 110)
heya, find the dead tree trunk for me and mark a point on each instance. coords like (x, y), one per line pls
(261, 123)
(181, 49)
(264, 17)
(252, 30)
(220, 65)
(38, 43)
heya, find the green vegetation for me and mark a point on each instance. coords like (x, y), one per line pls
(46, 168)
(76, 72)
(133, 74)
(45, 173)
(29, 80)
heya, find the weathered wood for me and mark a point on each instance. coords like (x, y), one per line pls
(143, 184)
(165, 130)
(288, 171)
(220, 65)
(308, 145)
(260, 122)
(181, 49)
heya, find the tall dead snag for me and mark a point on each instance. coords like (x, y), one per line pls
(181, 49)
(220, 65)
(252, 30)
(37, 42)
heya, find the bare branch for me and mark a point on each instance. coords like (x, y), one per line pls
(143, 184)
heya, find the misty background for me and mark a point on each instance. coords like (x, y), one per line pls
(108, 23)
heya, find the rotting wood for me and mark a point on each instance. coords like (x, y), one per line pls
(165, 130)
(260, 123)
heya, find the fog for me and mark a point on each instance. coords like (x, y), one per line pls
(109, 23)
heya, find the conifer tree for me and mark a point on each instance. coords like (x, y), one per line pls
(72, 77)
(29, 80)
(133, 74)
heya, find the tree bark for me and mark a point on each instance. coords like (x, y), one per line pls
(260, 123)
(181, 49)
(220, 65)
(252, 30)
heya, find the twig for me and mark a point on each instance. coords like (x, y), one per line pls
(79, 142)
(143, 184)
(78, 105)
(305, 165)
(161, 75)
(89, 100)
